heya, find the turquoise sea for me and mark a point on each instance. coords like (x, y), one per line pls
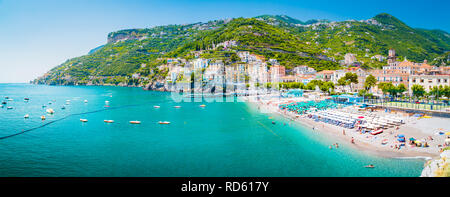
(223, 139)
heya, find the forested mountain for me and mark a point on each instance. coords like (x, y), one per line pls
(320, 44)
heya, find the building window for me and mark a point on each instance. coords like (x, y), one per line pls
(421, 80)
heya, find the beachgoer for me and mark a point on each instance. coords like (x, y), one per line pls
(343, 132)
(353, 140)
(330, 147)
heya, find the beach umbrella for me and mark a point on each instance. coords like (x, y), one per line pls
(360, 117)
(448, 133)
(401, 135)
(401, 139)
(447, 140)
(412, 139)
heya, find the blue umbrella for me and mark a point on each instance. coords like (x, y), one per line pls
(401, 135)
(401, 139)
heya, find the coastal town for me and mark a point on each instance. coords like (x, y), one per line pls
(414, 127)
(256, 72)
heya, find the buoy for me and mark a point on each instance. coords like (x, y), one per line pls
(135, 122)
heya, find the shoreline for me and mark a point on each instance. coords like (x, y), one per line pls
(369, 145)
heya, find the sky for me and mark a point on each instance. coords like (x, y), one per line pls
(37, 35)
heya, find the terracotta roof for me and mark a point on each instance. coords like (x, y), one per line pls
(406, 63)
(326, 72)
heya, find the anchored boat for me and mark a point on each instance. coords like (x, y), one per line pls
(164, 122)
(83, 120)
(43, 117)
(26, 116)
(156, 106)
(135, 122)
(50, 111)
(108, 121)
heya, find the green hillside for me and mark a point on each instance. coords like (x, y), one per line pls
(320, 44)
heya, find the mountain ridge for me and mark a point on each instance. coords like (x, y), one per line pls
(320, 44)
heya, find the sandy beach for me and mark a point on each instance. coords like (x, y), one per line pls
(423, 129)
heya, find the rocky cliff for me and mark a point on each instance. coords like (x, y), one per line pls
(439, 167)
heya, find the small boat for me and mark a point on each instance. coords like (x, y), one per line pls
(4, 102)
(106, 102)
(43, 106)
(164, 122)
(49, 103)
(63, 107)
(26, 116)
(9, 99)
(26, 99)
(156, 106)
(6, 97)
(106, 106)
(83, 120)
(9, 107)
(376, 132)
(43, 117)
(85, 101)
(50, 111)
(108, 121)
(369, 166)
(135, 122)
(177, 106)
(202, 105)
(384, 142)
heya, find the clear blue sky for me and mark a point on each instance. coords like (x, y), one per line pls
(38, 35)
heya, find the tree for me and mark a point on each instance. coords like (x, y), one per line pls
(327, 87)
(386, 87)
(348, 79)
(342, 82)
(401, 88)
(418, 90)
(370, 82)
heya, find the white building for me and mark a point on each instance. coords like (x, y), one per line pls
(428, 81)
(200, 63)
(304, 70)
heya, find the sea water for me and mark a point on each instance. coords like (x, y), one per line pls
(221, 139)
